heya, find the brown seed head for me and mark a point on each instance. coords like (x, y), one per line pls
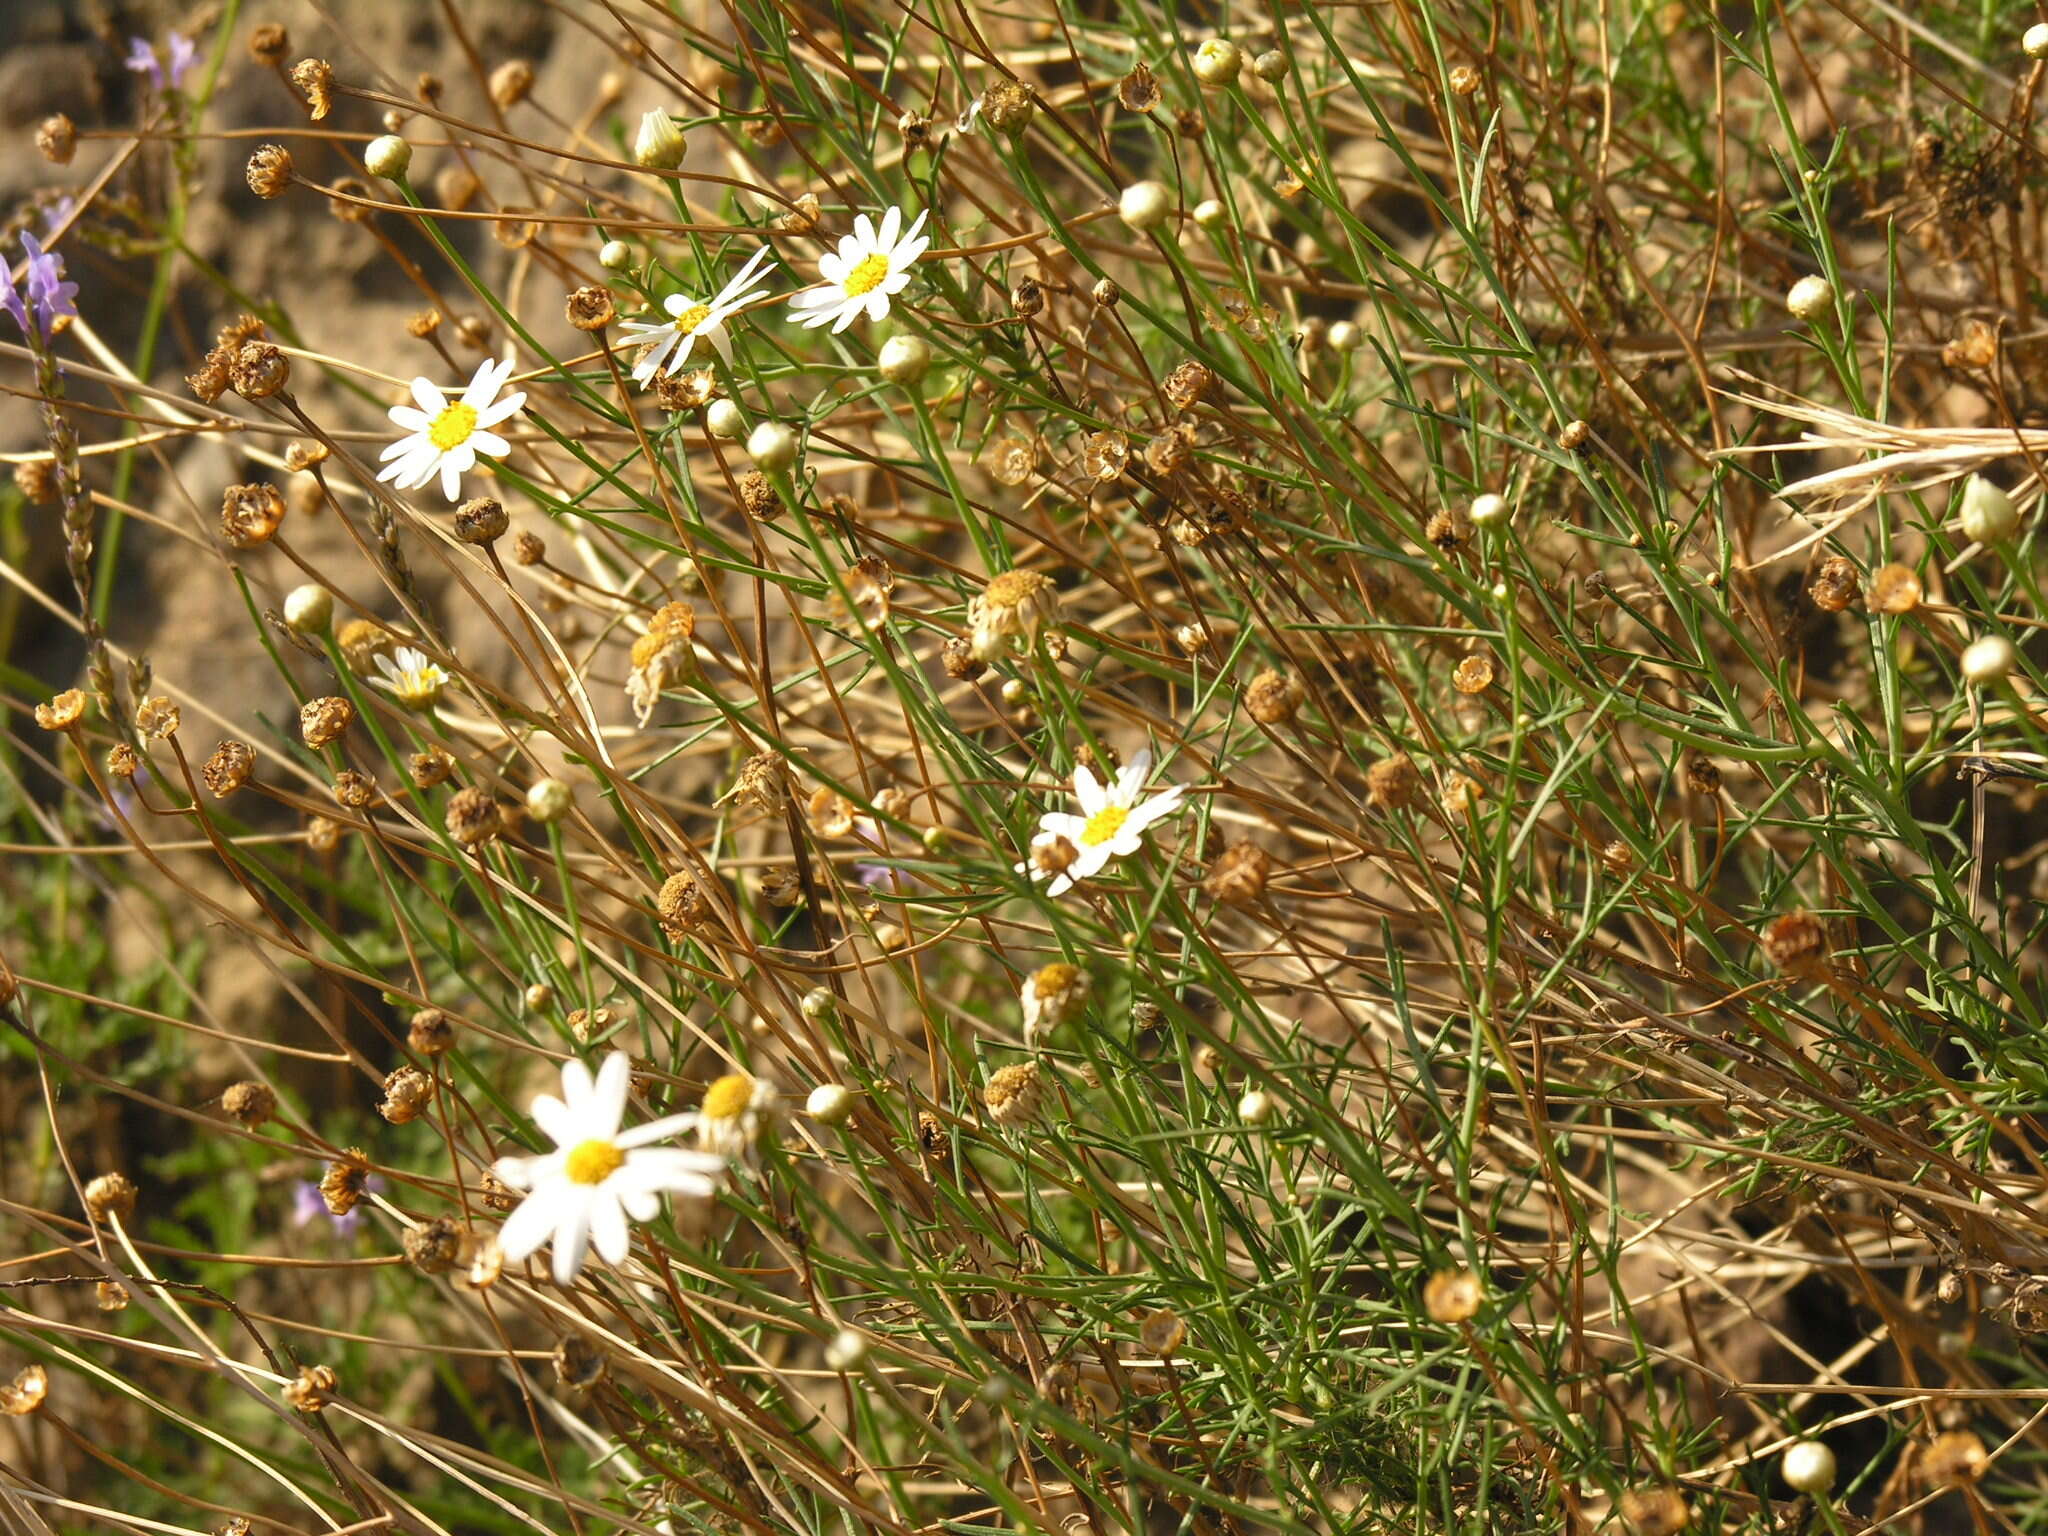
(481, 520)
(314, 80)
(474, 817)
(1008, 106)
(590, 308)
(1953, 1459)
(406, 1092)
(250, 514)
(1106, 294)
(681, 905)
(112, 1296)
(111, 1194)
(300, 457)
(431, 767)
(348, 199)
(433, 1246)
(259, 370)
(1014, 1095)
(341, 1186)
(210, 380)
(63, 711)
(1027, 298)
(362, 641)
(1894, 589)
(1464, 80)
(57, 139)
(270, 45)
(1392, 783)
(1575, 437)
(269, 172)
(580, 1364)
(1655, 1511)
(1797, 944)
(37, 480)
(323, 833)
(1448, 529)
(591, 1024)
(1473, 675)
(780, 887)
(1835, 585)
(25, 1393)
(157, 718)
(1052, 855)
(314, 1388)
(511, 83)
(357, 791)
(757, 495)
(228, 769)
(1139, 90)
(1273, 698)
(1452, 1296)
(958, 658)
(1169, 452)
(123, 761)
(322, 720)
(1702, 777)
(1188, 384)
(763, 784)
(1238, 879)
(250, 1103)
(432, 1032)
(527, 549)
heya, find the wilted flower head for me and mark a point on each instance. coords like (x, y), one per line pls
(1010, 611)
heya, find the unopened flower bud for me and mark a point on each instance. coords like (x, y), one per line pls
(1987, 514)
(659, 144)
(1144, 205)
(615, 255)
(1811, 296)
(1986, 661)
(772, 446)
(389, 157)
(830, 1104)
(549, 800)
(904, 360)
(308, 609)
(1217, 63)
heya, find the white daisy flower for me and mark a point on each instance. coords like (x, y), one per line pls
(582, 1194)
(443, 437)
(1111, 824)
(691, 318)
(870, 267)
(737, 1108)
(413, 680)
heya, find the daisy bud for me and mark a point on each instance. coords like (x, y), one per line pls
(1144, 205)
(904, 360)
(1343, 337)
(659, 144)
(1809, 1466)
(818, 1004)
(1986, 661)
(830, 1104)
(1270, 65)
(1217, 62)
(846, 1350)
(1810, 296)
(1488, 509)
(2035, 41)
(615, 255)
(308, 609)
(540, 997)
(725, 420)
(1988, 514)
(549, 801)
(772, 446)
(1208, 213)
(1256, 1107)
(389, 157)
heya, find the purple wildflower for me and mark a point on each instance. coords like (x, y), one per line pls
(143, 60)
(47, 291)
(184, 54)
(57, 214)
(11, 302)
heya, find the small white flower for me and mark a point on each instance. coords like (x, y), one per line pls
(443, 437)
(582, 1194)
(870, 267)
(736, 1109)
(689, 318)
(413, 680)
(1111, 824)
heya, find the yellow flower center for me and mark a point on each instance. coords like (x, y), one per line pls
(452, 427)
(1104, 825)
(866, 277)
(728, 1098)
(592, 1162)
(688, 321)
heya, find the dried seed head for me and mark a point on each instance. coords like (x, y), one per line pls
(250, 1103)
(1452, 1296)
(57, 139)
(1654, 1511)
(112, 1296)
(431, 767)
(341, 1186)
(25, 1393)
(157, 718)
(830, 813)
(511, 83)
(210, 380)
(313, 1390)
(1187, 385)
(63, 711)
(1014, 1095)
(1448, 529)
(1010, 613)
(757, 495)
(763, 784)
(1169, 452)
(314, 80)
(1052, 855)
(362, 641)
(123, 762)
(228, 769)
(1138, 91)
(1464, 80)
(1106, 294)
(481, 520)
(250, 514)
(1702, 777)
(1391, 784)
(406, 1092)
(432, 1032)
(300, 457)
(580, 1364)
(323, 720)
(1975, 347)
(1575, 437)
(1273, 698)
(37, 480)
(270, 45)
(590, 308)
(958, 658)
(527, 549)
(323, 833)
(1953, 1459)
(1161, 1332)
(1835, 585)
(259, 370)
(1797, 944)
(1008, 106)
(356, 791)
(681, 906)
(590, 1025)
(111, 1194)
(780, 887)
(1027, 298)
(1238, 878)
(474, 817)
(433, 1247)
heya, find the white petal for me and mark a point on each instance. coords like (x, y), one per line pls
(509, 406)
(864, 231)
(851, 313)
(1133, 775)
(410, 419)
(916, 224)
(485, 384)
(572, 1241)
(451, 478)
(404, 445)
(608, 1102)
(1087, 790)
(878, 305)
(657, 1167)
(577, 1087)
(608, 1232)
(428, 396)
(640, 1204)
(1089, 864)
(833, 267)
(485, 441)
(655, 1130)
(1061, 824)
(555, 1118)
(674, 305)
(892, 225)
(1061, 884)
(908, 252)
(532, 1224)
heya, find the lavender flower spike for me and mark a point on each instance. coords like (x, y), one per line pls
(50, 295)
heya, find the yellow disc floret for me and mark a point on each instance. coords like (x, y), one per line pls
(729, 1097)
(1104, 825)
(451, 429)
(688, 321)
(866, 277)
(592, 1162)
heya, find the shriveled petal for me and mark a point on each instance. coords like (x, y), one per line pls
(534, 1222)
(608, 1234)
